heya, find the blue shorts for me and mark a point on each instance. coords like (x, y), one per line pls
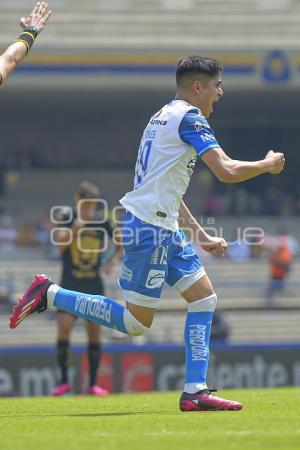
(154, 255)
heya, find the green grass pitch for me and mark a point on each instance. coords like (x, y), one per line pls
(270, 420)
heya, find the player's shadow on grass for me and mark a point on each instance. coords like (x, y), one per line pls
(99, 414)
(137, 413)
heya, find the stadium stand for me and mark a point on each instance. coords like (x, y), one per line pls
(151, 26)
(161, 24)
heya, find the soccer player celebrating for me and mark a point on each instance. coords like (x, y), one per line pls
(155, 247)
(31, 26)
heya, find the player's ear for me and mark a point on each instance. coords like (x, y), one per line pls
(196, 87)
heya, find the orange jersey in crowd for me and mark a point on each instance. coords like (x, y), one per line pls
(280, 262)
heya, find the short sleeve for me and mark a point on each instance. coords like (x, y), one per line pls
(195, 131)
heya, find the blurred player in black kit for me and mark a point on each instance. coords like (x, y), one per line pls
(80, 242)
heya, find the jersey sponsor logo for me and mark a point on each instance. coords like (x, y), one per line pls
(198, 125)
(126, 273)
(155, 279)
(160, 255)
(158, 122)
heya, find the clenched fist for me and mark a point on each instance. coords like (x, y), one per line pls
(216, 246)
(276, 162)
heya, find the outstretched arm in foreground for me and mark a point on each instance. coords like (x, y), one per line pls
(31, 26)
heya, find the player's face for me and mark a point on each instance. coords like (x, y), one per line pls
(210, 93)
(87, 210)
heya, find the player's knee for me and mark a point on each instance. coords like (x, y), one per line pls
(204, 304)
(133, 326)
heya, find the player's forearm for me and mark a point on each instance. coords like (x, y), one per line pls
(16, 52)
(188, 221)
(237, 171)
(11, 57)
(31, 26)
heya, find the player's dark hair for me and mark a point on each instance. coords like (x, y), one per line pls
(197, 65)
(88, 190)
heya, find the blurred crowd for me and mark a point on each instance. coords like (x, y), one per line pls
(270, 199)
(36, 235)
(27, 234)
(277, 251)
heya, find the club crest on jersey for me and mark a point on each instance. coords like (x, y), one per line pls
(198, 125)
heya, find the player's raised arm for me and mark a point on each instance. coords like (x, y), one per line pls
(31, 26)
(230, 170)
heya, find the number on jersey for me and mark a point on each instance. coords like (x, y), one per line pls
(142, 162)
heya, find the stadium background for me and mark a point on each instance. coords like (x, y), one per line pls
(75, 110)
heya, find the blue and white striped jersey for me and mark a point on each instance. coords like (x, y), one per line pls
(171, 142)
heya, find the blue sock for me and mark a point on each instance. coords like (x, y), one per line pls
(197, 337)
(95, 308)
